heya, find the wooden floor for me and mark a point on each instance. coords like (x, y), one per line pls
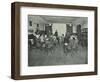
(37, 57)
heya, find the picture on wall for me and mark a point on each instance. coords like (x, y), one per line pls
(53, 40)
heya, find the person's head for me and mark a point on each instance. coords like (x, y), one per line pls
(62, 34)
(73, 38)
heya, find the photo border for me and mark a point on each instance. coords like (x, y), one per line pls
(15, 39)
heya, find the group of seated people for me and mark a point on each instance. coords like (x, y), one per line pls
(50, 42)
(71, 44)
(41, 41)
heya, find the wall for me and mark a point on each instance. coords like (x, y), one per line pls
(61, 28)
(82, 22)
(36, 20)
(5, 41)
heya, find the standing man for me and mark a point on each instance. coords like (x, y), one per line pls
(56, 34)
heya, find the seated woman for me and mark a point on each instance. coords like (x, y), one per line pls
(65, 44)
(38, 44)
(73, 44)
(31, 40)
(49, 45)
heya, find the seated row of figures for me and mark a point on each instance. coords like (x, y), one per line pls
(48, 43)
(41, 41)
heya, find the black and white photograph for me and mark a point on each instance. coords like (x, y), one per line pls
(57, 40)
(53, 40)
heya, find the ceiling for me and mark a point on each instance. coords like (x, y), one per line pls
(60, 19)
